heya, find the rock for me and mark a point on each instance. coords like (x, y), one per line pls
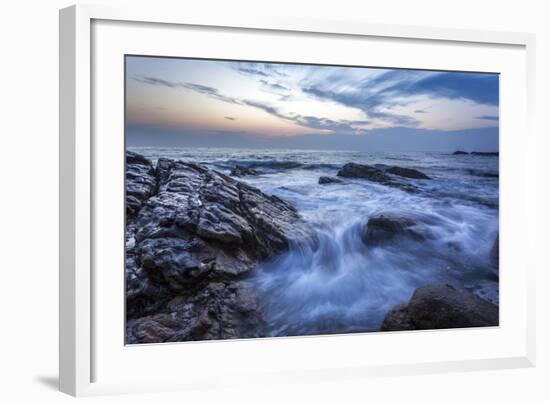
(140, 182)
(383, 228)
(398, 319)
(217, 311)
(329, 180)
(441, 307)
(484, 153)
(482, 173)
(240, 171)
(354, 170)
(407, 172)
(196, 237)
(152, 329)
(460, 152)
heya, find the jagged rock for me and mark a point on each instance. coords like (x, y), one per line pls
(407, 172)
(328, 180)
(354, 170)
(140, 182)
(201, 227)
(216, 311)
(441, 307)
(460, 152)
(239, 171)
(385, 227)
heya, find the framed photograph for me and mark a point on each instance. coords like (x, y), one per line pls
(292, 200)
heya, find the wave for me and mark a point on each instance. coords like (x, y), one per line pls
(338, 283)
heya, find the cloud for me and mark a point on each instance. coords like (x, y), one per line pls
(325, 124)
(377, 95)
(206, 90)
(275, 86)
(260, 69)
(340, 126)
(478, 88)
(230, 118)
(252, 71)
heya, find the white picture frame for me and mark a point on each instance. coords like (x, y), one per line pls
(82, 344)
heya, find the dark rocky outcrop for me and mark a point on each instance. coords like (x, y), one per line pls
(218, 310)
(407, 172)
(441, 307)
(385, 227)
(192, 243)
(240, 171)
(484, 153)
(374, 174)
(329, 180)
(461, 152)
(140, 182)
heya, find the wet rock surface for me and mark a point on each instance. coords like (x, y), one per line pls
(385, 227)
(192, 243)
(329, 180)
(378, 175)
(441, 307)
(140, 182)
(408, 173)
(240, 171)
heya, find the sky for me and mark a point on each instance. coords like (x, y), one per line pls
(193, 102)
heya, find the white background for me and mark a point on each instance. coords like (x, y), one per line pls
(28, 203)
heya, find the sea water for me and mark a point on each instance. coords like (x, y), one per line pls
(340, 284)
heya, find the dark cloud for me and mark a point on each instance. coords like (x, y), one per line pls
(158, 81)
(478, 88)
(206, 90)
(340, 126)
(393, 87)
(369, 103)
(230, 118)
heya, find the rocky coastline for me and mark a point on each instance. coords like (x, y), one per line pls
(195, 235)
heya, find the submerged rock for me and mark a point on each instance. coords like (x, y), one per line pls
(383, 228)
(441, 307)
(329, 180)
(407, 172)
(200, 227)
(374, 174)
(460, 152)
(240, 171)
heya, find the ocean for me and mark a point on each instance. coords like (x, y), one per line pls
(342, 285)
